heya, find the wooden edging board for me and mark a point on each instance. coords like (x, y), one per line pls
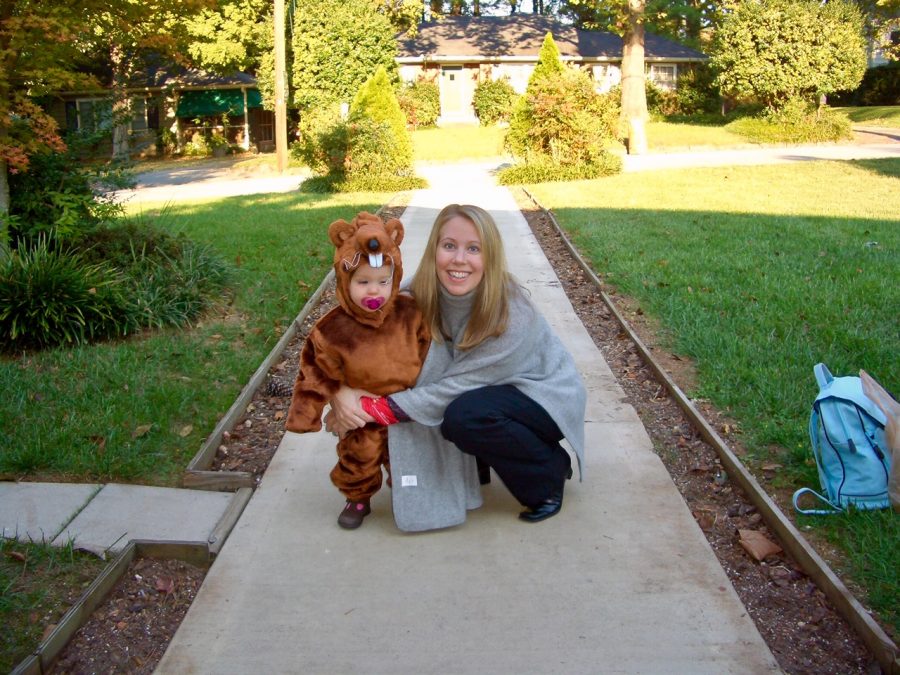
(193, 552)
(884, 649)
(196, 474)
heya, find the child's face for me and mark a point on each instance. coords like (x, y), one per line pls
(370, 287)
(459, 262)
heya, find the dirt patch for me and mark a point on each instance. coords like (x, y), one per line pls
(803, 630)
(131, 629)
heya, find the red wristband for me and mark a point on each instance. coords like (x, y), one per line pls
(379, 409)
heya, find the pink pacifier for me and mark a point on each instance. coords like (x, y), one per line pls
(373, 303)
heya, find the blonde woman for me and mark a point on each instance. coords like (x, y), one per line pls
(497, 385)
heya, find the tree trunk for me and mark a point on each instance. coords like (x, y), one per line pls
(4, 208)
(120, 105)
(634, 94)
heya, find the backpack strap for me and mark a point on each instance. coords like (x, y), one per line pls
(814, 512)
(823, 375)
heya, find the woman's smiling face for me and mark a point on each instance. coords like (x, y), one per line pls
(460, 266)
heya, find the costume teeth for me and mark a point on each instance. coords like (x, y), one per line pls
(376, 260)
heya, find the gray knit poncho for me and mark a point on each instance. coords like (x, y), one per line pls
(433, 482)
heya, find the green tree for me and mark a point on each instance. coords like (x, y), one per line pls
(337, 45)
(129, 30)
(230, 37)
(776, 51)
(39, 54)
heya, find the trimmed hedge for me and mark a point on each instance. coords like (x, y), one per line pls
(797, 122)
(545, 171)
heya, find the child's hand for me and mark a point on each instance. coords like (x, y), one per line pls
(346, 412)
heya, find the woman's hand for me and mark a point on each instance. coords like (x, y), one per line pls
(346, 413)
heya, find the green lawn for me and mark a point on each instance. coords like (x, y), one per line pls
(757, 274)
(456, 143)
(875, 115)
(139, 409)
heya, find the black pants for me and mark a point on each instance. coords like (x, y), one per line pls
(515, 436)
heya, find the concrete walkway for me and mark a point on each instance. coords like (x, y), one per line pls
(102, 519)
(621, 581)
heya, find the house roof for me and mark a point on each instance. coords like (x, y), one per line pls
(520, 36)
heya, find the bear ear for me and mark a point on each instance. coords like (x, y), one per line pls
(340, 231)
(395, 230)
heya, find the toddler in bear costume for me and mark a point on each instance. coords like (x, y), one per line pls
(374, 340)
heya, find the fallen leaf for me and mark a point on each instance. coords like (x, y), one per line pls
(15, 555)
(771, 467)
(49, 628)
(141, 430)
(186, 430)
(165, 585)
(758, 545)
(122, 625)
(99, 441)
(279, 415)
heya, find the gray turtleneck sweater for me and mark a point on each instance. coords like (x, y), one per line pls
(433, 482)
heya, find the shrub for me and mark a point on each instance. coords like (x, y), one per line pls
(371, 150)
(60, 196)
(493, 101)
(319, 146)
(661, 102)
(564, 119)
(169, 290)
(879, 86)
(51, 297)
(421, 103)
(697, 92)
(797, 122)
(168, 280)
(376, 101)
(542, 170)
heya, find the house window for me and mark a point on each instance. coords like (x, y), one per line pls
(88, 114)
(139, 114)
(663, 76)
(606, 76)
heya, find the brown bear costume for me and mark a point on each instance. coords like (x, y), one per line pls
(379, 351)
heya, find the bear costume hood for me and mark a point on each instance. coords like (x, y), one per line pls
(367, 238)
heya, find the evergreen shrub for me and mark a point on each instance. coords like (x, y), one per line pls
(493, 101)
(376, 101)
(421, 103)
(370, 151)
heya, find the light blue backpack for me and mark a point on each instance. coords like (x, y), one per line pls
(847, 433)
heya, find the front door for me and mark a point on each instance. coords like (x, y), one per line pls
(451, 90)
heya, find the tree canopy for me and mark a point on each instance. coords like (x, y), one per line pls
(337, 45)
(778, 50)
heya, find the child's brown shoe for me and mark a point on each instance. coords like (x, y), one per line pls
(352, 515)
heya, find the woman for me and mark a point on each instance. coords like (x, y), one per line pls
(497, 384)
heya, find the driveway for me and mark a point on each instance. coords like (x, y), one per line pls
(215, 179)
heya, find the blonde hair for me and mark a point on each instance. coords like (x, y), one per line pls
(490, 310)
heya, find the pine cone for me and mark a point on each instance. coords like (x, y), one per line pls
(277, 386)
